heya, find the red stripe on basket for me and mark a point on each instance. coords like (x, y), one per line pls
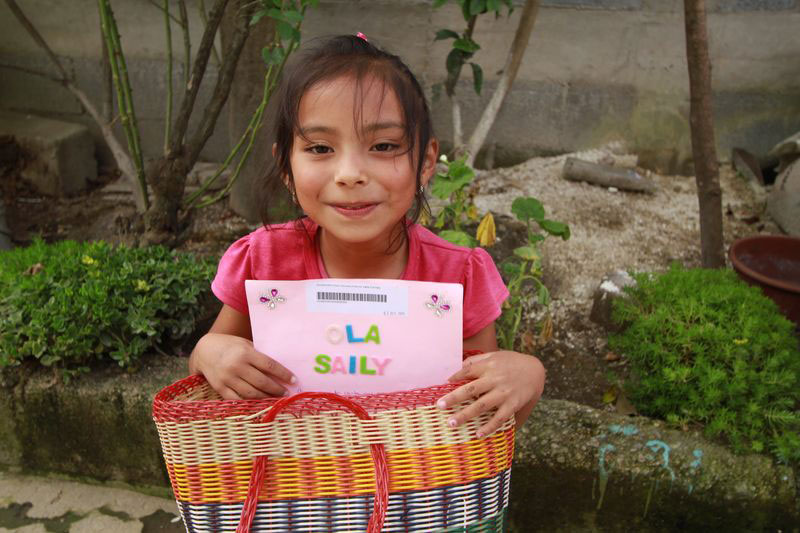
(320, 477)
(192, 399)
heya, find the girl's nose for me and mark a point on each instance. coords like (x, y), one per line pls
(350, 172)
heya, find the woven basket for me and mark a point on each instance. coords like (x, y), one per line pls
(317, 462)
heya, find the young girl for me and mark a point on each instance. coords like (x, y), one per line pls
(355, 147)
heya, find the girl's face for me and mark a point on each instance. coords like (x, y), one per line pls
(352, 171)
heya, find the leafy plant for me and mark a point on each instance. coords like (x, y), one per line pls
(70, 304)
(464, 46)
(453, 186)
(165, 176)
(526, 265)
(706, 348)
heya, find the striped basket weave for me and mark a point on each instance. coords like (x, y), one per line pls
(317, 462)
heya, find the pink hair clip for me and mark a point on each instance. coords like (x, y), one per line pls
(362, 36)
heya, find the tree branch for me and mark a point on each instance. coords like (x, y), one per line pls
(187, 45)
(224, 81)
(198, 71)
(168, 80)
(701, 118)
(161, 8)
(34, 33)
(513, 62)
(201, 7)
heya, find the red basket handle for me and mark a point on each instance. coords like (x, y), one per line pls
(378, 452)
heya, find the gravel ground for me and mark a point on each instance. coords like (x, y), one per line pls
(610, 230)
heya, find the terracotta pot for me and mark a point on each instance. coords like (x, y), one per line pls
(771, 262)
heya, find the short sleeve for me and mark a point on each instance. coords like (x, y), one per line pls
(234, 268)
(484, 292)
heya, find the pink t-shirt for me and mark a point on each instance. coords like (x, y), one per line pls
(285, 252)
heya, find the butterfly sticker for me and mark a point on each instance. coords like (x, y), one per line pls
(439, 306)
(273, 300)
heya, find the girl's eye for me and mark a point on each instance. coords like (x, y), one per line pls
(319, 149)
(384, 147)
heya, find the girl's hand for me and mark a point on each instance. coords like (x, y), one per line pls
(236, 370)
(511, 382)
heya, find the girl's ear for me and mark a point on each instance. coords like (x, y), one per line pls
(429, 162)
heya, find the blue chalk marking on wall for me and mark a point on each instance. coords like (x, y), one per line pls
(626, 430)
(698, 454)
(655, 446)
(601, 460)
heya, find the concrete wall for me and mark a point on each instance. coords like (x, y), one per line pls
(595, 70)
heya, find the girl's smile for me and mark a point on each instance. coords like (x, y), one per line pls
(357, 210)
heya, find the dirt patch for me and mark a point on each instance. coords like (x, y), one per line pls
(610, 230)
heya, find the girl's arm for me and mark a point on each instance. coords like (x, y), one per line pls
(511, 382)
(226, 357)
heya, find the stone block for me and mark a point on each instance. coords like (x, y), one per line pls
(609, 290)
(783, 203)
(59, 156)
(99, 425)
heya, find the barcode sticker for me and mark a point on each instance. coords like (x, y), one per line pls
(356, 298)
(350, 297)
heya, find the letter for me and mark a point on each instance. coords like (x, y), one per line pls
(338, 366)
(334, 334)
(350, 337)
(381, 366)
(373, 335)
(324, 362)
(352, 364)
(364, 369)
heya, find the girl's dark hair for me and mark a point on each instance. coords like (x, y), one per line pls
(347, 55)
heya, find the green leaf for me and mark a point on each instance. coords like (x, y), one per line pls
(527, 208)
(272, 56)
(559, 229)
(454, 62)
(257, 16)
(477, 77)
(288, 16)
(438, 3)
(442, 188)
(458, 238)
(528, 253)
(476, 7)
(466, 45)
(287, 31)
(543, 296)
(511, 269)
(445, 34)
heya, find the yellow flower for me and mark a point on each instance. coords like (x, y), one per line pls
(740, 341)
(142, 286)
(88, 260)
(487, 233)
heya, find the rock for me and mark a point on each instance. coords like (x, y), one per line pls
(783, 203)
(58, 156)
(609, 290)
(636, 474)
(203, 171)
(786, 151)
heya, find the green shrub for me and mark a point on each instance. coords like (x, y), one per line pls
(71, 304)
(706, 348)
